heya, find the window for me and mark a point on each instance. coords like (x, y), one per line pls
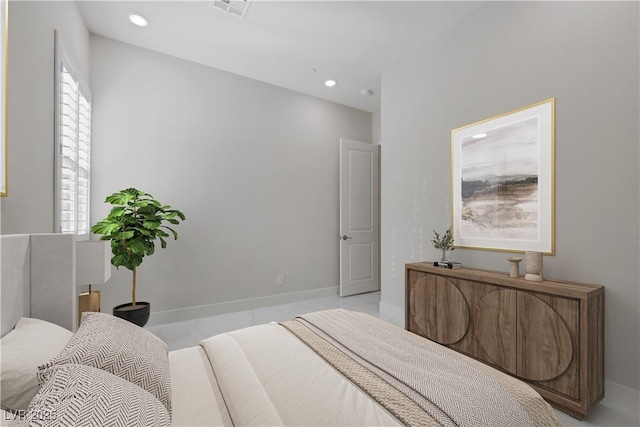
(73, 149)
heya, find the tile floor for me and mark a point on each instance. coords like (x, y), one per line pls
(189, 333)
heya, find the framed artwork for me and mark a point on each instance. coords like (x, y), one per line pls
(503, 181)
(4, 55)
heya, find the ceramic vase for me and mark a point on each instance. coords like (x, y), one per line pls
(533, 266)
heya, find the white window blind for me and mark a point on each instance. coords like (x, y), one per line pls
(73, 148)
(84, 162)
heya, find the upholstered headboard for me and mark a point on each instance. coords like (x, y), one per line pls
(38, 279)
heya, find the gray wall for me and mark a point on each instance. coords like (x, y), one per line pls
(29, 207)
(375, 120)
(253, 166)
(506, 56)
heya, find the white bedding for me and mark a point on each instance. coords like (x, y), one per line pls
(195, 396)
(289, 375)
(8, 419)
(267, 377)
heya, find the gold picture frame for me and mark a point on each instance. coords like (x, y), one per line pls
(503, 181)
(4, 98)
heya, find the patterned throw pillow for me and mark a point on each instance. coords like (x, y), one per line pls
(78, 395)
(122, 349)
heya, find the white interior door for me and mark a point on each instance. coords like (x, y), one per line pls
(359, 225)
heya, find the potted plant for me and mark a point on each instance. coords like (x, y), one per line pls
(444, 243)
(135, 222)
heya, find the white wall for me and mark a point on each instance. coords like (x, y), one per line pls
(508, 55)
(29, 206)
(254, 167)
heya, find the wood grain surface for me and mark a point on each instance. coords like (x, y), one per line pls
(549, 333)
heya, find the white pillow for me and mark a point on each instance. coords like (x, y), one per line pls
(30, 344)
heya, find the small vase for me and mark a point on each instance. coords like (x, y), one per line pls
(533, 266)
(444, 255)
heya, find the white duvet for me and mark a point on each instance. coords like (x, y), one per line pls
(265, 376)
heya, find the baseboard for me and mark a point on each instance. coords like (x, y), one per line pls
(392, 313)
(197, 312)
(621, 398)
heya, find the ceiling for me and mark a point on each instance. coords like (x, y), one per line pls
(292, 44)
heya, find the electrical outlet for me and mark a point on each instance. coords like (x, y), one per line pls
(280, 279)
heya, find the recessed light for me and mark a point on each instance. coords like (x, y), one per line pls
(330, 83)
(479, 135)
(137, 20)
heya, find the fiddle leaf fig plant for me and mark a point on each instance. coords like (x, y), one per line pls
(135, 222)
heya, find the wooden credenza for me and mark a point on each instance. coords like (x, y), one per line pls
(549, 334)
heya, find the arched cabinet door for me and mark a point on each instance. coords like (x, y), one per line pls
(545, 348)
(496, 327)
(422, 305)
(438, 310)
(452, 312)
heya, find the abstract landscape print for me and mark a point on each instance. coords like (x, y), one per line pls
(502, 173)
(499, 179)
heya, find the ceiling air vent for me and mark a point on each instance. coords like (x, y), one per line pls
(236, 7)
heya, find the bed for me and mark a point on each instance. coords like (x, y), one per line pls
(332, 367)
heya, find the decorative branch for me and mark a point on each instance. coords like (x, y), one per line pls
(445, 242)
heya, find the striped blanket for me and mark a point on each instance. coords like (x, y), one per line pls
(420, 382)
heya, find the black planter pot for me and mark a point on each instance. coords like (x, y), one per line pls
(138, 316)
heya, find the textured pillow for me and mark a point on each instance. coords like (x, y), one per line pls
(79, 395)
(31, 343)
(123, 349)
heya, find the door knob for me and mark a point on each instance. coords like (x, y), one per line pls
(345, 237)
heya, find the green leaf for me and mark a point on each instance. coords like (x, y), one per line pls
(151, 248)
(135, 193)
(118, 260)
(140, 203)
(177, 212)
(121, 198)
(175, 234)
(117, 248)
(105, 227)
(151, 225)
(117, 211)
(136, 247)
(144, 231)
(134, 261)
(133, 225)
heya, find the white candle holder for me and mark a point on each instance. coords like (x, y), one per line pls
(514, 268)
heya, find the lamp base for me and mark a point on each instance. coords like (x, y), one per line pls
(88, 301)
